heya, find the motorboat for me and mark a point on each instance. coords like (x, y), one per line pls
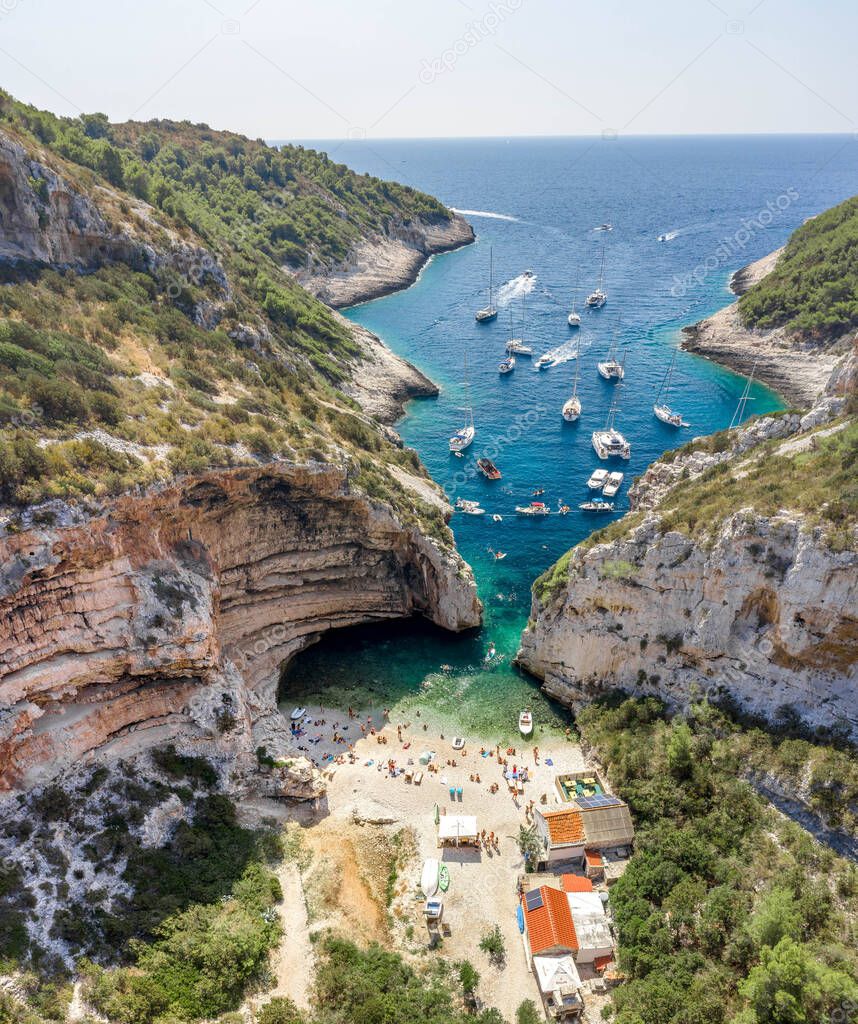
(488, 469)
(535, 508)
(572, 406)
(483, 316)
(429, 877)
(298, 713)
(497, 518)
(516, 347)
(544, 361)
(609, 443)
(613, 484)
(525, 723)
(604, 227)
(470, 508)
(596, 506)
(662, 409)
(598, 480)
(507, 365)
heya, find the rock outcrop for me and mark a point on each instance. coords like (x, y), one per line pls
(168, 615)
(761, 613)
(385, 263)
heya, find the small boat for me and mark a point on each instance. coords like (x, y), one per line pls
(525, 723)
(604, 227)
(609, 442)
(483, 316)
(458, 743)
(464, 437)
(470, 508)
(574, 318)
(516, 347)
(564, 510)
(535, 508)
(507, 365)
(488, 469)
(543, 361)
(596, 506)
(496, 518)
(661, 409)
(429, 877)
(298, 713)
(613, 484)
(598, 298)
(662, 238)
(572, 406)
(499, 555)
(598, 479)
(611, 368)
(527, 273)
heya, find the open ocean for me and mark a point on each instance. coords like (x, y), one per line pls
(722, 202)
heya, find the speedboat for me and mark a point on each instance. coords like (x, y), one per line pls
(604, 227)
(613, 484)
(662, 238)
(596, 506)
(515, 346)
(598, 479)
(507, 365)
(429, 877)
(483, 316)
(543, 361)
(488, 469)
(470, 508)
(525, 723)
(572, 409)
(535, 508)
(298, 713)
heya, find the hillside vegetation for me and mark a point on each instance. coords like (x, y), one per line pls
(813, 290)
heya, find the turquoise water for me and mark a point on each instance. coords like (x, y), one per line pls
(708, 195)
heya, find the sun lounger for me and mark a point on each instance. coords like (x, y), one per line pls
(409, 774)
(418, 778)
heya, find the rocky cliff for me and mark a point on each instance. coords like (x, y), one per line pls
(729, 579)
(169, 615)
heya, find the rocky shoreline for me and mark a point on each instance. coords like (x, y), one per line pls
(797, 371)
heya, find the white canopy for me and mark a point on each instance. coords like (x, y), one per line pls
(556, 972)
(457, 828)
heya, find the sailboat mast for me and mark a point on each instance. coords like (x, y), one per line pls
(491, 274)
(739, 414)
(602, 268)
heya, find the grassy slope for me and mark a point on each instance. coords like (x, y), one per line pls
(72, 347)
(813, 290)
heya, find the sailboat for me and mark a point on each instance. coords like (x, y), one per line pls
(598, 298)
(739, 414)
(572, 406)
(516, 346)
(609, 442)
(490, 312)
(661, 408)
(610, 369)
(574, 318)
(464, 437)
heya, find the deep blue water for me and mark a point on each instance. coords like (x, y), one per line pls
(708, 194)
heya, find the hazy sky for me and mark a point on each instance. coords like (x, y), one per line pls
(385, 68)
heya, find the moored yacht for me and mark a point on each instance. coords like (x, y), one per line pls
(507, 365)
(611, 368)
(574, 318)
(572, 405)
(596, 506)
(515, 346)
(662, 409)
(609, 443)
(598, 298)
(613, 484)
(597, 479)
(464, 436)
(483, 316)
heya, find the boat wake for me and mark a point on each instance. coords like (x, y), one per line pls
(485, 213)
(566, 352)
(516, 288)
(669, 236)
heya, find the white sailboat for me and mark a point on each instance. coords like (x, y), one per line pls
(609, 443)
(598, 298)
(574, 318)
(464, 437)
(572, 406)
(739, 414)
(490, 311)
(611, 369)
(661, 408)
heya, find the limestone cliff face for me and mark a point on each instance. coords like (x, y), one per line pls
(169, 615)
(764, 613)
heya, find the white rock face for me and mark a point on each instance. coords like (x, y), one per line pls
(764, 614)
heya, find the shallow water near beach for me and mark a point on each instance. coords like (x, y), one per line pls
(708, 196)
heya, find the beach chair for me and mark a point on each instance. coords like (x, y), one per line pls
(459, 793)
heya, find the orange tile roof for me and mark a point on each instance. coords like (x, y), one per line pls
(565, 826)
(576, 883)
(601, 962)
(550, 926)
(593, 858)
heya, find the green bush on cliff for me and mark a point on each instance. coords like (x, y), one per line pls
(813, 290)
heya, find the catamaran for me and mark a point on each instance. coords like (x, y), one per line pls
(610, 443)
(490, 312)
(611, 369)
(613, 484)
(574, 318)
(464, 437)
(572, 405)
(598, 298)
(661, 408)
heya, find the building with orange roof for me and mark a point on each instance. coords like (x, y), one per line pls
(548, 922)
(576, 883)
(594, 864)
(562, 835)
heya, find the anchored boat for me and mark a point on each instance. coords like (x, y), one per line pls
(483, 316)
(662, 409)
(596, 506)
(611, 368)
(598, 479)
(598, 298)
(609, 443)
(535, 508)
(525, 723)
(488, 469)
(613, 484)
(572, 406)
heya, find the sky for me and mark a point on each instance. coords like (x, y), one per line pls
(304, 69)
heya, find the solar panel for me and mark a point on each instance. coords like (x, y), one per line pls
(589, 802)
(533, 899)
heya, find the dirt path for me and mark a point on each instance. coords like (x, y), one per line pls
(293, 962)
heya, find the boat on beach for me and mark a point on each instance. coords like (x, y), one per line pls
(429, 877)
(483, 316)
(525, 723)
(298, 713)
(613, 484)
(535, 508)
(662, 409)
(598, 479)
(488, 469)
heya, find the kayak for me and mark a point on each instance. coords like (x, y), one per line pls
(429, 878)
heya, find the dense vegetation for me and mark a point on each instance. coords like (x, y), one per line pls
(726, 913)
(813, 290)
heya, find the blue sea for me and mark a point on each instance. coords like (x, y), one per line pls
(719, 202)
